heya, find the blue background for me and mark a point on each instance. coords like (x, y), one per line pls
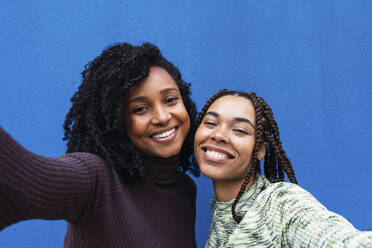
(311, 60)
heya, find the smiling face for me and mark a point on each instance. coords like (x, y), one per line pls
(156, 118)
(225, 139)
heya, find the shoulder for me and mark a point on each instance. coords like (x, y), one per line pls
(188, 182)
(88, 159)
(105, 182)
(285, 200)
(96, 166)
(287, 193)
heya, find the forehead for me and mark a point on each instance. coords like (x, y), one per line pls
(234, 106)
(157, 80)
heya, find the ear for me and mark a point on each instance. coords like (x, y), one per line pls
(262, 152)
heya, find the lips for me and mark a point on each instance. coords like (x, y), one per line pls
(216, 153)
(164, 135)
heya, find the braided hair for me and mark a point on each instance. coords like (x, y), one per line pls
(276, 162)
(95, 122)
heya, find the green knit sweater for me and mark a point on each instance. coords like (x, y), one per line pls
(281, 215)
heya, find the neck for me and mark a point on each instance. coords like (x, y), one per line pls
(226, 190)
(161, 170)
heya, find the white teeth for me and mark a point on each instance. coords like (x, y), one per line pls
(216, 154)
(164, 134)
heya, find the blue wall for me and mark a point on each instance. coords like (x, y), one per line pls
(311, 60)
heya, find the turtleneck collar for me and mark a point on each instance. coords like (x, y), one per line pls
(162, 170)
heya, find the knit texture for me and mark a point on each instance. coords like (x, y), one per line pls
(101, 211)
(281, 215)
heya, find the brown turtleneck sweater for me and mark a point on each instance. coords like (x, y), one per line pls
(100, 210)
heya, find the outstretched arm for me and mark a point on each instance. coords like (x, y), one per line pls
(36, 187)
(307, 223)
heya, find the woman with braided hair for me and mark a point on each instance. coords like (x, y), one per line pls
(237, 130)
(122, 182)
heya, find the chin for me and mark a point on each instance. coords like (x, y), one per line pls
(167, 154)
(210, 172)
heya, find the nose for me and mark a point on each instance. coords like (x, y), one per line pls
(161, 116)
(220, 135)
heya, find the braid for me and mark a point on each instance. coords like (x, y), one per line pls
(236, 217)
(255, 163)
(281, 162)
(276, 162)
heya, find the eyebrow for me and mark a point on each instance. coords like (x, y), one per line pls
(163, 91)
(239, 119)
(136, 99)
(166, 90)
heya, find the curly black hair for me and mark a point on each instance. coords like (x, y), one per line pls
(95, 122)
(276, 161)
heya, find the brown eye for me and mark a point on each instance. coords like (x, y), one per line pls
(171, 100)
(139, 110)
(240, 131)
(210, 124)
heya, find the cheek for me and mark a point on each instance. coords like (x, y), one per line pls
(135, 126)
(246, 148)
(183, 116)
(187, 123)
(198, 136)
(182, 113)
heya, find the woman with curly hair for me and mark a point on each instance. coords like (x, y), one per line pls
(122, 182)
(237, 130)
